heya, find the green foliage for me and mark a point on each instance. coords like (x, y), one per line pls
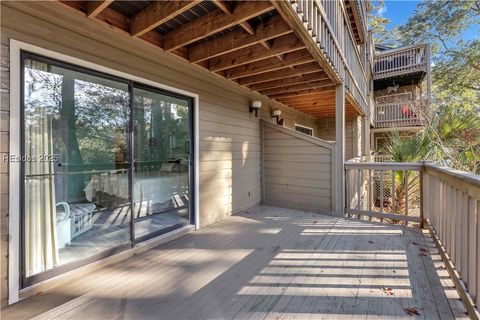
(407, 148)
(377, 23)
(454, 126)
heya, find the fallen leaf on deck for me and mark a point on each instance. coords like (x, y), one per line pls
(423, 250)
(388, 291)
(315, 221)
(414, 243)
(423, 254)
(411, 311)
(370, 241)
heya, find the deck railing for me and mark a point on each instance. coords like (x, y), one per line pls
(446, 201)
(383, 190)
(451, 201)
(404, 60)
(400, 114)
(327, 23)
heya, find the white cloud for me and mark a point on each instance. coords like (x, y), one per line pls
(381, 11)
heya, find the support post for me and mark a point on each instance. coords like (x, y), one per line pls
(366, 135)
(340, 150)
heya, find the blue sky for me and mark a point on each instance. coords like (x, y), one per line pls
(398, 12)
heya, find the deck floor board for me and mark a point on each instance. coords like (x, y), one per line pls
(267, 263)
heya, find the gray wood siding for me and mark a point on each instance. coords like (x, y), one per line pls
(297, 170)
(229, 159)
(326, 131)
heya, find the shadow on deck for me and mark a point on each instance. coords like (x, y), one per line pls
(266, 263)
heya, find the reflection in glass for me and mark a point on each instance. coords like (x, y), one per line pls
(161, 163)
(76, 185)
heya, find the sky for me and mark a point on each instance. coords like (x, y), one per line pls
(398, 11)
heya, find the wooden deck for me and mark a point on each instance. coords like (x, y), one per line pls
(267, 263)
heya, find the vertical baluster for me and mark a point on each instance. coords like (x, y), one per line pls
(472, 245)
(459, 230)
(405, 177)
(452, 224)
(359, 191)
(393, 191)
(464, 237)
(314, 21)
(381, 192)
(348, 186)
(300, 6)
(370, 193)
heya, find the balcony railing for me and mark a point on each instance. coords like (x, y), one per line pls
(400, 114)
(404, 60)
(327, 23)
(446, 201)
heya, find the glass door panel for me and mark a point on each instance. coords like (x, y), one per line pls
(161, 176)
(76, 165)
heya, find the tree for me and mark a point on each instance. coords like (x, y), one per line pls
(406, 149)
(454, 128)
(377, 23)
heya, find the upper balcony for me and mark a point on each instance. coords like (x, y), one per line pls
(405, 64)
(331, 25)
(401, 114)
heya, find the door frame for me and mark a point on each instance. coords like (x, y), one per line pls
(15, 181)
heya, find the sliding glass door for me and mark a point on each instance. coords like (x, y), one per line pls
(83, 199)
(161, 162)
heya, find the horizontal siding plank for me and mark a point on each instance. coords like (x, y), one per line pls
(304, 150)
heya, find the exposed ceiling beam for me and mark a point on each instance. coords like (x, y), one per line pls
(280, 74)
(158, 13)
(212, 23)
(319, 97)
(270, 64)
(95, 7)
(289, 81)
(312, 96)
(296, 87)
(226, 8)
(325, 102)
(238, 39)
(281, 45)
(222, 5)
(303, 93)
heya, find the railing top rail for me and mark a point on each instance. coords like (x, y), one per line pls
(400, 49)
(398, 166)
(462, 176)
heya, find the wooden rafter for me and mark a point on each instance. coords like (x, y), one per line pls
(290, 59)
(268, 57)
(289, 81)
(95, 7)
(225, 7)
(212, 23)
(281, 45)
(303, 93)
(319, 97)
(280, 74)
(296, 87)
(158, 13)
(324, 102)
(235, 40)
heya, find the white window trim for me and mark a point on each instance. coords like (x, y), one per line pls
(14, 167)
(305, 127)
